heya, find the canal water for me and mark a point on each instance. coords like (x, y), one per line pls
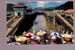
(40, 23)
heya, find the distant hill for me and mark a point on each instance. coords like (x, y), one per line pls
(67, 5)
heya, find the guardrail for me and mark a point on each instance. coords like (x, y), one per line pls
(65, 21)
(14, 25)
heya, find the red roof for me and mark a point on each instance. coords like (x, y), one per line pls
(19, 5)
(69, 11)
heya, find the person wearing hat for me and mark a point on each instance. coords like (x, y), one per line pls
(67, 38)
(29, 35)
(21, 39)
(55, 38)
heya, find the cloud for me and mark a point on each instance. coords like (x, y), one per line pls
(15, 1)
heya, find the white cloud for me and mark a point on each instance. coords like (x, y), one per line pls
(40, 3)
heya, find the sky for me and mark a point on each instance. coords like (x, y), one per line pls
(43, 4)
(15, 1)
